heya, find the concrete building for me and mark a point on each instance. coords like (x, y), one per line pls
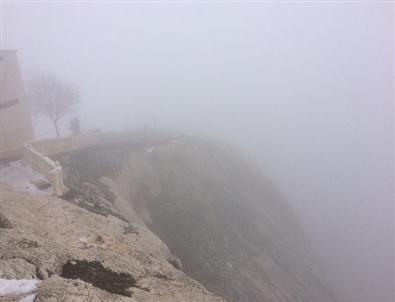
(16, 126)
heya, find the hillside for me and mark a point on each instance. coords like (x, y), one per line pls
(229, 226)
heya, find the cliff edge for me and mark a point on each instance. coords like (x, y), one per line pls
(216, 211)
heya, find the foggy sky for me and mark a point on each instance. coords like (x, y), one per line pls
(305, 89)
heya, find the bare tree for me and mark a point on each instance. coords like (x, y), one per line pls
(51, 97)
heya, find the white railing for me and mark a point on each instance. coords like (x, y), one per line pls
(36, 154)
(52, 170)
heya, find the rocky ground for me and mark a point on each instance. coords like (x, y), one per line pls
(78, 255)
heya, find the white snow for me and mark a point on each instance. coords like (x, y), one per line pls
(19, 175)
(83, 239)
(17, 287)
(29, 298)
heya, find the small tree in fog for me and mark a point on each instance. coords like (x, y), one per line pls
(75, 125)
(51, 97)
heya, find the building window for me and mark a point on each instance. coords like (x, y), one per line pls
(9, 103)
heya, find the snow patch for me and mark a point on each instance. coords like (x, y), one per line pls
(19, 175)
(83, 239)
(29, 298)
(17, 287)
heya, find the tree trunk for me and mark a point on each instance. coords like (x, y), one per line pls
(55, 123)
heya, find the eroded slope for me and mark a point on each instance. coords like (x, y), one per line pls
(231, 229)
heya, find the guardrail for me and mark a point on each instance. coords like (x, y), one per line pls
(52, 170)
(36, 154)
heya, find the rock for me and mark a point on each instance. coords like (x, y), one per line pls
(131, 229)
(41, 184)
(4, 222)
(175, 261)
(110, 266)
(17, 269)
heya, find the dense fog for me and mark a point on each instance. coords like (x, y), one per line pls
(305, 89)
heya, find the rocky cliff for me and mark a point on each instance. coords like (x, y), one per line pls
(52, 250)
(226, 223)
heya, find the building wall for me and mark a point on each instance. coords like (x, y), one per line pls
(16, 126)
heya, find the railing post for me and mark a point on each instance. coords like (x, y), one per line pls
(59, 188)
(52, 170)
